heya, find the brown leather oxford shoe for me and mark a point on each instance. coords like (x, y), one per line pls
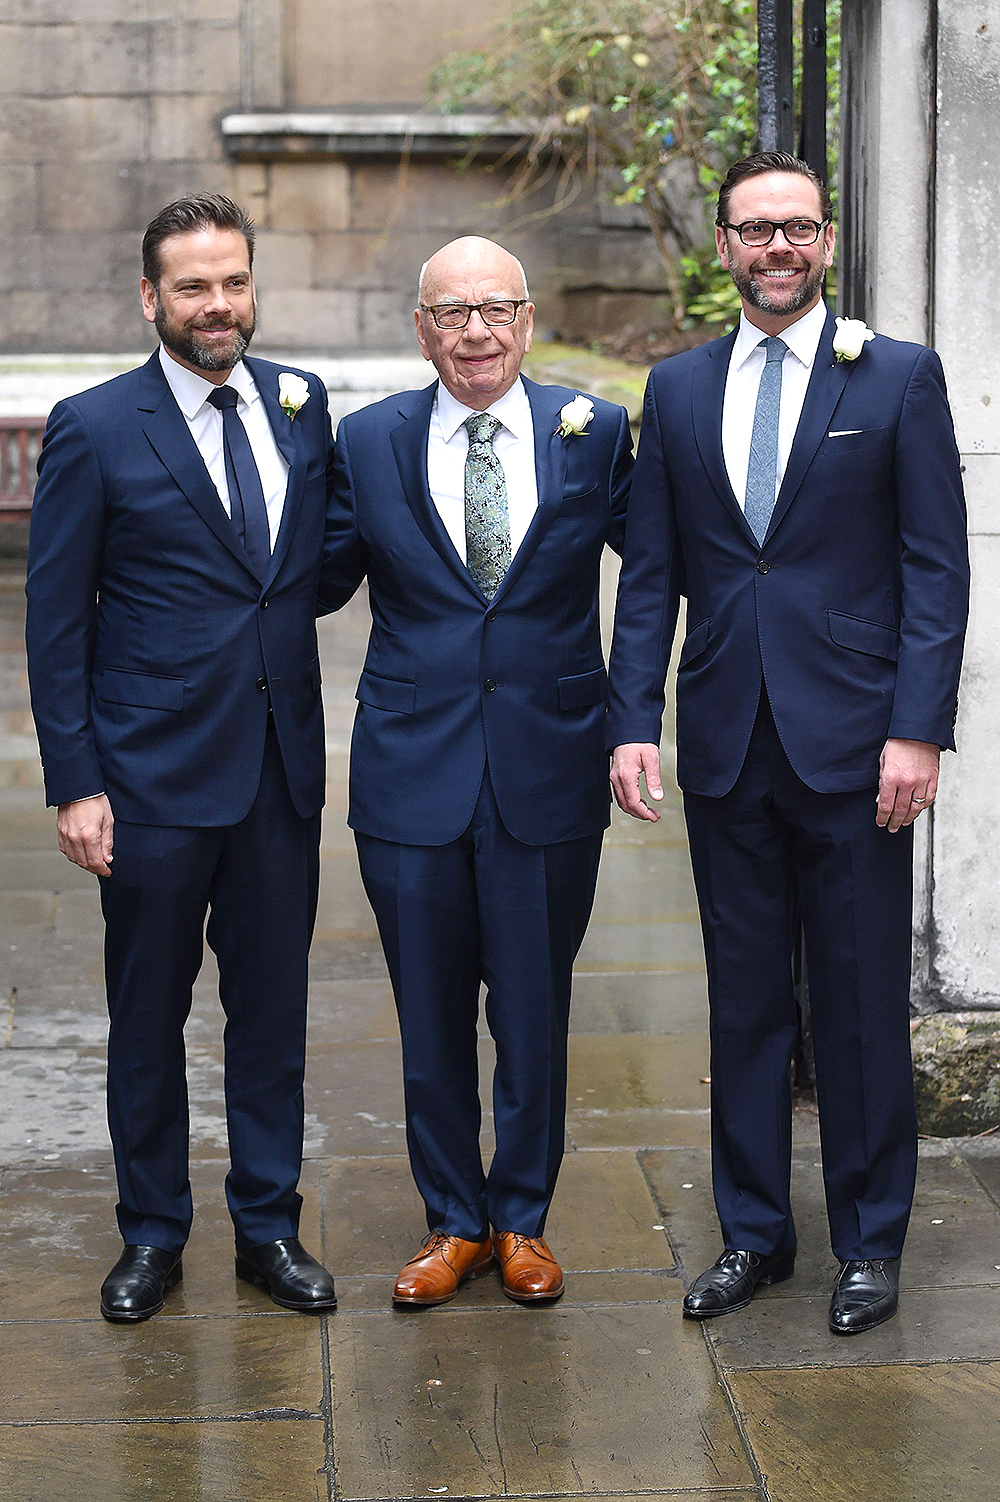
(441, 1266)
(530, 1272)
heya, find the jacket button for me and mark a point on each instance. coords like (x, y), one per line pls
(262, 684)
(489, 685)
(264, 604)
(491, 615)
(763, 568)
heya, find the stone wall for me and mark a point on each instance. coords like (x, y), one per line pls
(919, 261)
(110, 108)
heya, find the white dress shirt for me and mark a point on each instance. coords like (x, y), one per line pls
(191, 392)
(746, 365)
(514, 446)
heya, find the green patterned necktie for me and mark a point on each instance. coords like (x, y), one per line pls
(487, 524)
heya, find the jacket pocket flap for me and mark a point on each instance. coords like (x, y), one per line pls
(573, 494)
(387, 693)
(696, 641)
(583, 689)
(145, 690)
(863, 636)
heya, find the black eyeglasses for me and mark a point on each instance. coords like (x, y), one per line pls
(455, 315)
(759, 232)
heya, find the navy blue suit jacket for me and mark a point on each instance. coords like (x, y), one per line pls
(854, 608)
(151, 641)
(451, 677)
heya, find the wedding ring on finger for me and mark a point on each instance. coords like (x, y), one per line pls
(915, 799)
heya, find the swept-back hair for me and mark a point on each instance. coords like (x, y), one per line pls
(195, 212)
(770, 161)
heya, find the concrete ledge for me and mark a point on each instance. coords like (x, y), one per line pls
(956, 1071)
(315, 134)
(30, 385)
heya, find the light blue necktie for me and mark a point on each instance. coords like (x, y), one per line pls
(762, 472)
(487, 523)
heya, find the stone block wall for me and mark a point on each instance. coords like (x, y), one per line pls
(110, 108)
(921, 111)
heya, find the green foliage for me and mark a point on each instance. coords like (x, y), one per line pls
(655, 98)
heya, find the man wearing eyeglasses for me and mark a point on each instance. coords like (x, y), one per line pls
(810, 508)
(479, 509)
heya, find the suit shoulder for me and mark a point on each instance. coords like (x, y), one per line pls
(110, 396)
(604, 410)
(384, 413)
(898, 354)
(683, 366)
(271, 369)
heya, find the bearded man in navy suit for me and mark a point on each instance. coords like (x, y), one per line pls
(810, 509)
(176, 540)
(479, 509)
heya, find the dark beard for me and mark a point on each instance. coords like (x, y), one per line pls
(185, 346)
(758, 298)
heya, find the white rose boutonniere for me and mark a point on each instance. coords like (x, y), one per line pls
(851, 337)
(574, 417)
(293, 392)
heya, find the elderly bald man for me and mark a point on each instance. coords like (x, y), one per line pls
(479, 509)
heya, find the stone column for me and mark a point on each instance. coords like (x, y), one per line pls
(920, 219)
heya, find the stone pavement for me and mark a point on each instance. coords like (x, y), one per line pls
(224, 1398)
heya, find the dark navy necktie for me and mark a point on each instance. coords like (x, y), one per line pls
(246, 494)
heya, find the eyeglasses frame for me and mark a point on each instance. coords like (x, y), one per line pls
(775, 224)
(476, 307)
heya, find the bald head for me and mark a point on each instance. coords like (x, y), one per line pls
(474, 253)
(480, 361)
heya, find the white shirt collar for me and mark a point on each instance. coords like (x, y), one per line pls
(191, 391)
(802, 337)
(513, 409)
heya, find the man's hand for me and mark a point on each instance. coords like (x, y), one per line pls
(908, 779)
(628, 763)
(85, 833)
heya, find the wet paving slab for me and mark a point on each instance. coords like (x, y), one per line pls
(514, 1402)
(610, 1393)
(895, 1434)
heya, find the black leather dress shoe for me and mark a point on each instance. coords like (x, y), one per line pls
(292, 1278)
(730, 1283)
(865, 1294)
(135, 1286)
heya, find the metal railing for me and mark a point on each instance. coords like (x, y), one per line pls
(20, 442)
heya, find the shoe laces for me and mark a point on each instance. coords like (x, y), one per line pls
(534, 1243)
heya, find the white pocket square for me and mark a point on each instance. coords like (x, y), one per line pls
(844, 432)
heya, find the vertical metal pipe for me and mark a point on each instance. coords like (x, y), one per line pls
(812, 143)
(767, 74)
(775, 100)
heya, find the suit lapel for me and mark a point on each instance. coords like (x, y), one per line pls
(290, 444)
(826, 384)
(550, 473)
(170, 437)
(708, 390)
(409, 445)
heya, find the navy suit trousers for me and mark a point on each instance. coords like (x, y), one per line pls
(258, 880)
(770, 843)
(484, 908)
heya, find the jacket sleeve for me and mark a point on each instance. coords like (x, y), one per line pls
(934, 561)
(649, 592)
(64, 569)
(345, 558)
(620, 480)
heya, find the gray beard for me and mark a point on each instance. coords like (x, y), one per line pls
(758, 298)
(205, 358)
